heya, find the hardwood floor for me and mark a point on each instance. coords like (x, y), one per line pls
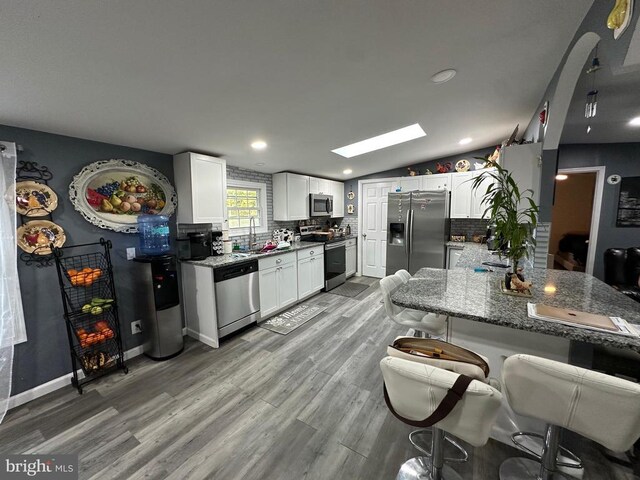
(263, 406)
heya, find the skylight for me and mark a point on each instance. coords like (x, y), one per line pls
(381, 141)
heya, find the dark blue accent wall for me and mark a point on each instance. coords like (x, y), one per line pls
(45, 355)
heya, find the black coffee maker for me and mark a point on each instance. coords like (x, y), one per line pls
(200, 245)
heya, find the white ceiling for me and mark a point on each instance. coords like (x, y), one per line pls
(306, 76)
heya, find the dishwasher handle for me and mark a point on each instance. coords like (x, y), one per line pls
(235, 270)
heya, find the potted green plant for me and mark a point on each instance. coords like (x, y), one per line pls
(513, 215)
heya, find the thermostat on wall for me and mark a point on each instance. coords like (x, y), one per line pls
(613, 179)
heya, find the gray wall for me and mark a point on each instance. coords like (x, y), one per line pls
(45, 355)
(618, 158)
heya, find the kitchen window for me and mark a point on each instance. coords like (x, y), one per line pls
(246, 200)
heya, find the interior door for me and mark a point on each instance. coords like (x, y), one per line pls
(374, 228)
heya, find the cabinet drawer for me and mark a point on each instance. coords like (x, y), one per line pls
(310, 252)
(276, 260)
(352, 242)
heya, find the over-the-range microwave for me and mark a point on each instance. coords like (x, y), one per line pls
(320, 205)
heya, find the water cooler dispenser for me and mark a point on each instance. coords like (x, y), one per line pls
(158, 305)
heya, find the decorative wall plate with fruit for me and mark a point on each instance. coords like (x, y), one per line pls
(112, 193)
(36, 236)
(34, 199)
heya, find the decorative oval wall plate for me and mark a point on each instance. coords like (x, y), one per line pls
(112, 193)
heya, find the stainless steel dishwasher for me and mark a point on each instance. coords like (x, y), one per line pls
(237, 289)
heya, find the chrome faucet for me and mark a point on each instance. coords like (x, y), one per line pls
(252, 234)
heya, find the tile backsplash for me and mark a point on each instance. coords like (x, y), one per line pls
(469, 227)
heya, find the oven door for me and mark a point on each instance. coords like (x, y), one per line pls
(334, 264)
(320, 205)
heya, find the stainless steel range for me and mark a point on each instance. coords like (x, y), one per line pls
(335, 264)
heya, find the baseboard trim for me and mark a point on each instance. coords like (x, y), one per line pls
(203, 338)
(58, 383)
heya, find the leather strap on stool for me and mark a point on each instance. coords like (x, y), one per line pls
(453, 396)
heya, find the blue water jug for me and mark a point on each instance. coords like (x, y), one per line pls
(154, 234)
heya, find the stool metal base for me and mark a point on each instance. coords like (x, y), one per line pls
(517, 468)
(419, 468)
(426, 451)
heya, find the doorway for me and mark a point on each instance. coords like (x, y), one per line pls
(575, 218)
(372, 225)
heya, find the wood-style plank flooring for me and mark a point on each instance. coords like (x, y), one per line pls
(263, 406)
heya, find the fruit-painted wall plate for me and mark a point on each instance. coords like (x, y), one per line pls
(36, 236)
(33, 199)
(112, 193)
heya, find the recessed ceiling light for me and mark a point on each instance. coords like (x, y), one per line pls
(444, 76)
(381, 141)
(347, 171)
(561, 176)
(635, 122)
(465, 140)
(260, 164)
(259, 145)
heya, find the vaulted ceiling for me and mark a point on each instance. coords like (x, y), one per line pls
(305, 76)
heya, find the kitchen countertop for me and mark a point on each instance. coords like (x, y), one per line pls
(475, 296)
(228, 258)
(473, 254)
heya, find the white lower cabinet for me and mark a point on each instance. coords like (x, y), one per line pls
(350, 257)
(278, 283)
(310, 272)
(268, 291)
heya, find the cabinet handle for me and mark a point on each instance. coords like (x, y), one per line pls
(279, 260)
(311, 252)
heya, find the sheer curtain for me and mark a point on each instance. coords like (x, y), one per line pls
(10, 302)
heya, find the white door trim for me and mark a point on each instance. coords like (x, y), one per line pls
(595, 214)
(360, 238)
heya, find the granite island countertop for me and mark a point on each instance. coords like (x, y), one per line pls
(229, 258)
(473, 254)
(464, 293)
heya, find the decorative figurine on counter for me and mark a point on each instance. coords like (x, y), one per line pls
(412, 173)
(428, 172)
(443, 168)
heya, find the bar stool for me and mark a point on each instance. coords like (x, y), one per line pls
(415, 390)
(600, 407)
(425, 324)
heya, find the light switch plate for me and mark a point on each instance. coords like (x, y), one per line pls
(131, 253)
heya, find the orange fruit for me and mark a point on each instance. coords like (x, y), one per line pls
(87, 270)
(72, 272)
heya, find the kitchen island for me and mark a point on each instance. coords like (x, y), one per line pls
(496, 325)
(464, 293)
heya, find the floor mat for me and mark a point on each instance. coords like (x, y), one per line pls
(288, 321)
(349, 289)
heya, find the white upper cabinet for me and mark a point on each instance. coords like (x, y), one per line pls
(290, 197)
(478, 206)
(465, 201)
(524, 163)
(320, 185)
(337, 190)
(461, 195)
(408, 184)
(440, 181)
(201, 185)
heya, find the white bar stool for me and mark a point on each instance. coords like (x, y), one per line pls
(425, 324)
(415, 390)
(600, 407)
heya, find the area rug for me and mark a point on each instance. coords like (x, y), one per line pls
(288, 321)
(350, 289)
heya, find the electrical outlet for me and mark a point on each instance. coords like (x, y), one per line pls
(131, 253)
(136, 327)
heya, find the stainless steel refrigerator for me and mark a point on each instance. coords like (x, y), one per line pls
(417, 230)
